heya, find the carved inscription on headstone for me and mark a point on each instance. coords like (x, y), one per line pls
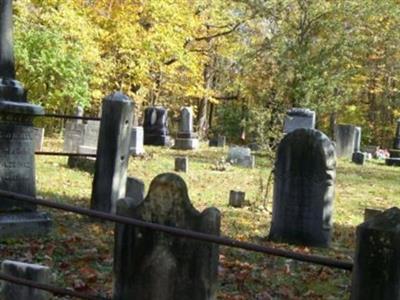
(305, 171)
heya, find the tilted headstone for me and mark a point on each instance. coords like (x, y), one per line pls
(376, 271)
(345, 138)
(241, 156)
(17, 141)
(304, 188)
(150, 265)
(186, 138)
(36, 273)
(155, 126)
(182, 164)
(136, 145)
(109, 182)
(299, 118)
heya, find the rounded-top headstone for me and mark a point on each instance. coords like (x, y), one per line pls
(305, 171)
(117, 96)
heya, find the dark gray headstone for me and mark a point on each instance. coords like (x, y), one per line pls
(218, 141)
(155, 126)
(17, 136)
(150, 265)
(396, 142)
(182, 164)
(236, 198)
(376, 271)
(241, 156)
(345, 138)
(299, 118)
(304, 188)
(109, 182)
(186, 138)
(136, 146)
(135, 189)
(37, 273)
(359, 158)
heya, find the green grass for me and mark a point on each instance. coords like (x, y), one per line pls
(79, 250)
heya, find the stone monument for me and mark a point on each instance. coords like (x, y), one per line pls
(241, 156)
(394, 159)
(358, 157)
(152, 265)
(17, 142)
(345, 138)
(186, 138)
(299, 118)
(304, 188)
(109, 183)
(155, 126)
(136, 145)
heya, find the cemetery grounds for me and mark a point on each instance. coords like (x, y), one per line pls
(79, 250)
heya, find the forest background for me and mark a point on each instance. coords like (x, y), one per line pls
(240, 63)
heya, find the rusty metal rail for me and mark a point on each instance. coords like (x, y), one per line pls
(56, 291)
(52, 153)
(224, 241)
(72, 117)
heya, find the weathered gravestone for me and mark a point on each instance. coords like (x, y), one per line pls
(151, 265)
(155, 126)
(376, 271)
(345, 138)
(186, 138)
(90, 138)
(304, 189)
(109, 182)
(36, 273)
(218, 141)
(135, 189)
(136, 145)
(358, 157)
(73, 132)
(394, 159)
(17, 142)
(236, 198)
(241, 156)
(299, 118)
(39, 137)
(182, 164)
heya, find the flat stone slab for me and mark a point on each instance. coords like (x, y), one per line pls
(24, 224)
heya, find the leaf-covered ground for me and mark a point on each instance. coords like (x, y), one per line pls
(79, 249)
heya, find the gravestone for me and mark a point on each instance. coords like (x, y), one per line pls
(376, 271)
(36, 273)
(136, 145)
(73, 133)
(299, 118)
(358, 157)
(236, 198)
(39, 137)
(186, 138)
(109, 182)
(394, 159)
(345, 138)
(155, 126)
(17, 142)
(304, 188)
(90, 138)
(241, 156)
(135, 189)
(182, 164)
(150, 265)
(218, 141)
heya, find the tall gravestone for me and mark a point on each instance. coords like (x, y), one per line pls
(109, 183)
(151, 265)
(394, 159)
(73, 132)
(376, 272)
(345, 138)
(304, 188)
(155, 126)
(17, 142)
(299, 118)
(186, 138)
(358, 156)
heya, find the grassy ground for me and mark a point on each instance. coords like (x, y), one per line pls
(79, 250)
